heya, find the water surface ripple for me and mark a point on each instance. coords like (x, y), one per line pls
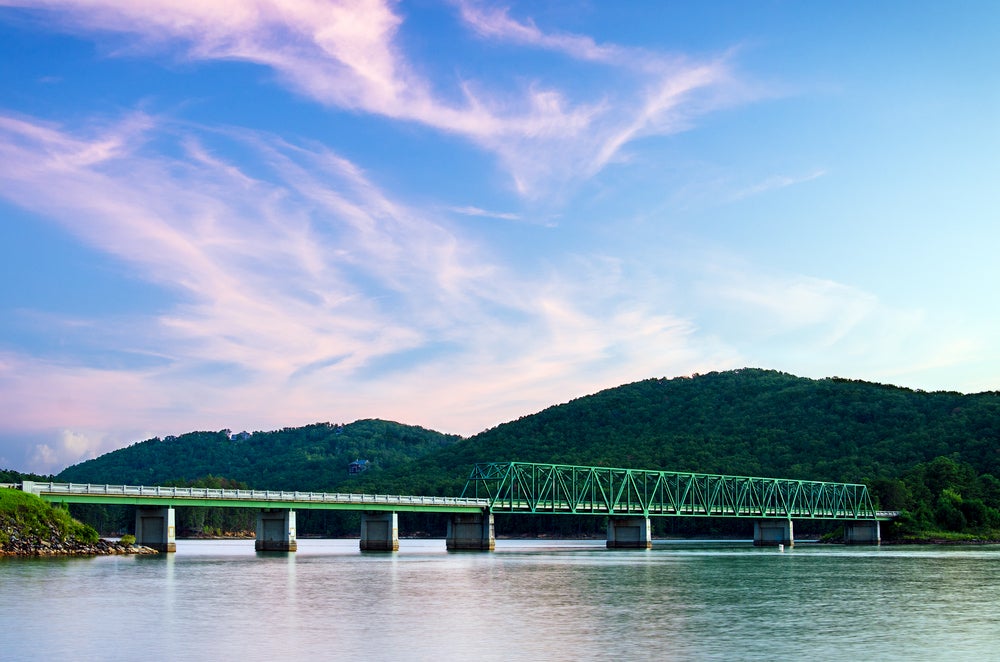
(529, 600)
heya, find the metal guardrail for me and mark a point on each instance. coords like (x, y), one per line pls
(247, 495)
(10, 486)
(508, 492)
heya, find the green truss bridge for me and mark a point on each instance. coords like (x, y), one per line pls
(627, 497)
(521, 487)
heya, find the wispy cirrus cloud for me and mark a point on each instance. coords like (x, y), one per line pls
(777, 182)
(485, 213)
(299, 291)
(303, 292)
(347, 54)
(493, 22)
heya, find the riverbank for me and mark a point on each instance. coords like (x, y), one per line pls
(31, 527)
(102, 547)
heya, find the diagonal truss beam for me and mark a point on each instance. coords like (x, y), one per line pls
(525, 487)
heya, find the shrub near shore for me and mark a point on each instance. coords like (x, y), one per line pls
(31, 527)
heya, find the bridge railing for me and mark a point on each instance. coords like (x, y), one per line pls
(522, 487)
(244, 495)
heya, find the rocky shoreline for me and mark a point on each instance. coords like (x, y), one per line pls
(71, 548)
(16, 542)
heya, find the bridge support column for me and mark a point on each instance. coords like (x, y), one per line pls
(379, 532)
(862, 533)
(773, 532)
(154, 527)
(471, 531)
(276, 531)
(629, 533)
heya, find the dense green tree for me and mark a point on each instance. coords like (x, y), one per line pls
(11, 476)
(314, 457)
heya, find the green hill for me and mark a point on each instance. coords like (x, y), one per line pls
(744, 422)
(935, 455)
(310, 458)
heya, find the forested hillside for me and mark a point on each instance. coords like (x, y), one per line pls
(756, 422)
(745, 422)
(935, 455)
(314, 457)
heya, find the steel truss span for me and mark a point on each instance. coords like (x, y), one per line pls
(522, 487)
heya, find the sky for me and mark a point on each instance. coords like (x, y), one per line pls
(259, 214)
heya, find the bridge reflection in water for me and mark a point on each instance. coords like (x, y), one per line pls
(627, 497)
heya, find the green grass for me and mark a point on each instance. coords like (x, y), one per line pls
(35, 519)
(987, 535)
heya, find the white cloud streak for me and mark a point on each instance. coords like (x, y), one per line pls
(485, 213)
(496, 23)
(345, 53)
(777, 182)
(303, 294)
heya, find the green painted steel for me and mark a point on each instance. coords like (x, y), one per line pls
(140, 495)
(522, 487)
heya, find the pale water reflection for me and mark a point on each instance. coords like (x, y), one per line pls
(538, 600)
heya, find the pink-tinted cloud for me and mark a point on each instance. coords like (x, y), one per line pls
(300, 291)
(346, 54)
(493, 22)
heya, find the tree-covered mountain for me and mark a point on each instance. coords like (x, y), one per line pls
(311, 458)
(744, 422)
(933, 454)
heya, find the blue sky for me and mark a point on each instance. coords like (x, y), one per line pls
(252, 215)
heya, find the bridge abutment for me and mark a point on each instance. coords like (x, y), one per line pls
(154, 527)
(471, 531)
(862, 533)
(276, 531)
(629, 533)
(773, 532)
(379, 532)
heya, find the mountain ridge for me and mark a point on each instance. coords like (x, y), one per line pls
(934, 455)
(747, 421)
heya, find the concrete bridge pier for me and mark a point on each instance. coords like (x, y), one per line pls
(471, 531)
(863, 533)
(276, 530)
(773, 532)
(629, 533)
(154, 527)
(379, 532)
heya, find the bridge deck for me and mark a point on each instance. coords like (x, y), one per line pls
(521, 487)
(141, 495)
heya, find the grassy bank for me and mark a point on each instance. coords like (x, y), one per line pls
(27, 516)
(30, 526)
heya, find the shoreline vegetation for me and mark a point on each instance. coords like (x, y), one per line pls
(31, 527)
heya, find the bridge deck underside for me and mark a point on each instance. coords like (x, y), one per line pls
(561, 489)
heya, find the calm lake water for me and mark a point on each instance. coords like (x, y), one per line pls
(528, 600)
